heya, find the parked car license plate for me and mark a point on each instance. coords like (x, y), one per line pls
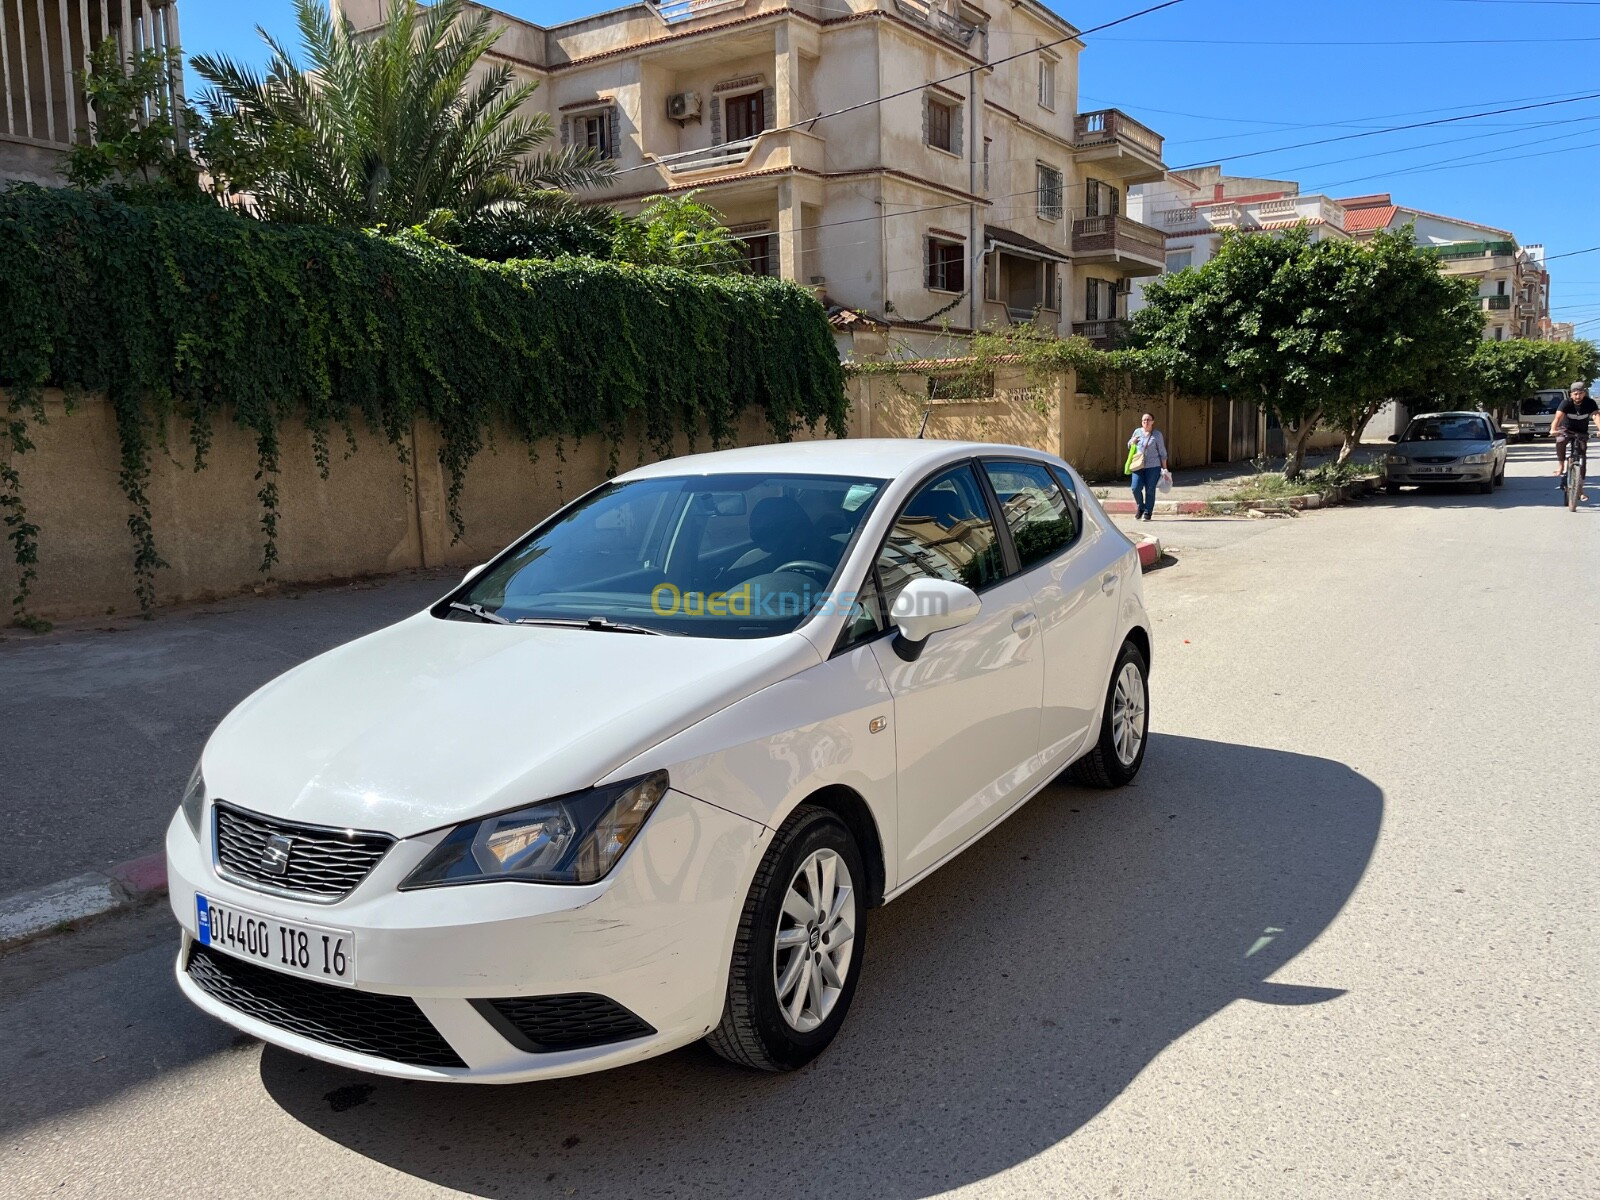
(314, 951)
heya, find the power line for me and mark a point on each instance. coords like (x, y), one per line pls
(1541, 41)
(1350, 137)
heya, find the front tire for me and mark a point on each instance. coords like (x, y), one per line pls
(798, 952)
(1391, 489)
(1124, 726)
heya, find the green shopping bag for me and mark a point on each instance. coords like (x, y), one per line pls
(1133, 453)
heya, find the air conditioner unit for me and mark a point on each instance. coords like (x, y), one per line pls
(684, 106)
(1124, 287)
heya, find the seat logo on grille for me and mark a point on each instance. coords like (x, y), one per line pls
(275, 855)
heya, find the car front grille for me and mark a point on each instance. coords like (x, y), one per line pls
(389, 1027)
(321, 864)
(544, 1024)
(1425, 459)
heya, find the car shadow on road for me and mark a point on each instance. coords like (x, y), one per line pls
(1006, 1002)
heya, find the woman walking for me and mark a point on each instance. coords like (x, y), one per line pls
(1145, 464)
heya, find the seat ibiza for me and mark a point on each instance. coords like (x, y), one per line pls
(641, 779)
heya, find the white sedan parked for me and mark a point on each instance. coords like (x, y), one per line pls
(640, 779)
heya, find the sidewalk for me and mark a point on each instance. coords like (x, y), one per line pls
(1199, 485)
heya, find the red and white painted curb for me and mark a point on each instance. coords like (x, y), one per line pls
(1149, 552)
(27, 915)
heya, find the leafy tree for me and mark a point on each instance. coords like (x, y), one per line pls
(1265, 318)
(678, 231)
(1411, 331)
(1501, 374)
(381, 130)
(133, 138)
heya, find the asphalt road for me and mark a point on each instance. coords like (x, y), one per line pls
(101, 722)
(1338, 941)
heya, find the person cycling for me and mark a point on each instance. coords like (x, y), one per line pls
(1572, 425)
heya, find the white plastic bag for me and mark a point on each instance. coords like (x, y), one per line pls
(1166, 481)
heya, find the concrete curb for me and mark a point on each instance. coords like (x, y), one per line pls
(31, 914)
(1195, 508)
(1149, 552)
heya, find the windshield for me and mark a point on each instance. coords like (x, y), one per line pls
(1542, 404)
(727, 556)
(1447, 429)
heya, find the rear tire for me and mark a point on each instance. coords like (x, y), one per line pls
(1113, 763)
(813, 854)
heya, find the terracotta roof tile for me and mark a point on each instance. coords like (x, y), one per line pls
(1361, 220)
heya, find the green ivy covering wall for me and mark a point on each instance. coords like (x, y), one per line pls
(188, 310)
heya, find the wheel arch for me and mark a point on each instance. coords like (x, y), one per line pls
(851, 807)
(1140, 637)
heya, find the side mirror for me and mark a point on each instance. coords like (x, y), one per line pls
(925, 607)
(1394, 437)
(473, 572)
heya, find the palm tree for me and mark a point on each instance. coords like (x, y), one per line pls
(386, 128)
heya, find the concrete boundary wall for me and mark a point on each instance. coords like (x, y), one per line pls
(373, 514)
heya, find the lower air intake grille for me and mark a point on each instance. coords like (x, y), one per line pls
(390, 1027)
(543, 1024)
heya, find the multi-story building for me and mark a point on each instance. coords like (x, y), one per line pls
(1195, 207)
(44, 49)
(1513, 284)
(920, 161)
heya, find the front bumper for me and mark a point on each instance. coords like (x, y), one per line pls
(1450, 473)
(654, 937)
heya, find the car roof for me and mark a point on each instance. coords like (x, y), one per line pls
(869, 458)
(1464, 413)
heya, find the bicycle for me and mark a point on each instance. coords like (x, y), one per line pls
(1572, 481)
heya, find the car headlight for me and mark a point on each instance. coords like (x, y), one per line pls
(1398, 460)
(570, 839)
(1475, 460)
(193, 803)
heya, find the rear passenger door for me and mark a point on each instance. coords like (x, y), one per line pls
(1072, 575)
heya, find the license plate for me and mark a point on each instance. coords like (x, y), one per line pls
(313, 951)
(1428, 470)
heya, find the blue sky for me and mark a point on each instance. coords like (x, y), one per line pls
(1230, 78)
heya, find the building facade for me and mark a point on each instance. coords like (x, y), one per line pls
(44, 49)
(972, 193)
(1194, 208)
(1513, 284)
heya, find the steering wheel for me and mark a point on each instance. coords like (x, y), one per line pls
(808, 565)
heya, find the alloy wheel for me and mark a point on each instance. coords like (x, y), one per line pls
(1128, 714)
(816, 940)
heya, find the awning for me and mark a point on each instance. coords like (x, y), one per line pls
(1016, 243)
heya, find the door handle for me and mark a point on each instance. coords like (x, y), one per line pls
(1108, 583)
(1022, 625)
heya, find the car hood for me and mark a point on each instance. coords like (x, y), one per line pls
(1443, 449)
(430, 722)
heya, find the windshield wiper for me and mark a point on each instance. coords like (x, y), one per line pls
(479, 611)
(600, 623)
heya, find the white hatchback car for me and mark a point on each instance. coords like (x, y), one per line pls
(640, 778)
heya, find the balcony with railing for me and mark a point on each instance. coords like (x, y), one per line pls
(930, 16)
(1112, 137)
(1496, 303)
(771, 150)
(1106, 335)
(1131, 245)
(44, 50)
